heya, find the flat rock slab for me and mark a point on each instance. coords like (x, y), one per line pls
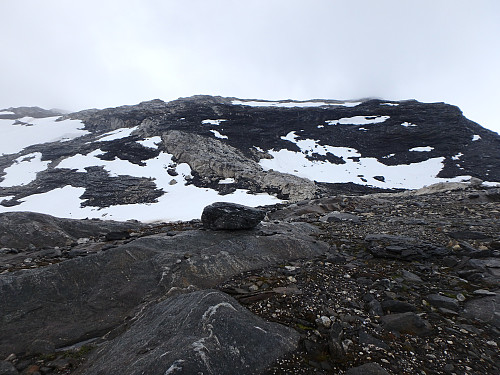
(408, 322)
(438, 300)
(87, 297)
(402, 248)
(484, 310)
(340, 216)
(231, 216)
(204, 332)
(367, 369)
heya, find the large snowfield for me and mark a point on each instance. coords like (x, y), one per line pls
(364, 171)
(179, 202)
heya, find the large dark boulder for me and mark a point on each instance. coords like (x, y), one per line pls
(90, 296)
(224, 215)
(204, 332)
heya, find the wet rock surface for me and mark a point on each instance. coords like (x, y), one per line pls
(434, 312)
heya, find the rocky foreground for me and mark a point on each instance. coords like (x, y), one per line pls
(390, 283)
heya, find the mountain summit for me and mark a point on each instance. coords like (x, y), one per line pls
(166, 161)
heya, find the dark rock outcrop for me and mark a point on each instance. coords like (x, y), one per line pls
(20, 230)
(401, 247)
(201, 332)
(35, 112)
(87, 297)
(231, 216)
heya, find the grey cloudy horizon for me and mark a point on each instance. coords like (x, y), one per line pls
(78, 54)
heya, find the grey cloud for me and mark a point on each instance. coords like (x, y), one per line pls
(92, 53)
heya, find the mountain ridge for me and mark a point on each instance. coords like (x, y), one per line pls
(310, 147)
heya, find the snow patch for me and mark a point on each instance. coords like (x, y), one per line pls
(180, 201)
(213, 122)
(407, 176)
(408, 124)
(457, 156)
(41, 130)
(218, 135)
(152, 142)
(228, 180)
(5, 112)
(390, 104)
(117, 134)
(491, 184)
(422, 149)
(476, 137)
(24, 170)
(358, 120)
(255, 103)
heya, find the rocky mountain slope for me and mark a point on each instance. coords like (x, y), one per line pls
(149, 160)
(388, 283)
(347, 272)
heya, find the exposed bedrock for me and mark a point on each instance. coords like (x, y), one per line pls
(204, 332)
(213, 159)
(20, 230)
(87, 297)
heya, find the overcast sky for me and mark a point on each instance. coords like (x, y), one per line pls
(74, 54)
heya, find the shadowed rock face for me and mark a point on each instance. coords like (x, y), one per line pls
(87, 297)
(201, 332)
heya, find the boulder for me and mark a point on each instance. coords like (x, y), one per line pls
(232, 216)
(204, 332)
(484, 310)
(408, 322)
(444, 302)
